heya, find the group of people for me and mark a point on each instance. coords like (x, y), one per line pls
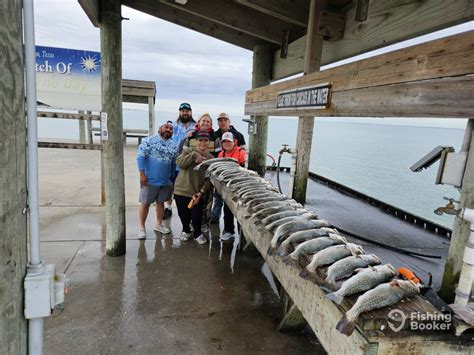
(166, 164)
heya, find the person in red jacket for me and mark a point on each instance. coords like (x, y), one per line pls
(230, 150)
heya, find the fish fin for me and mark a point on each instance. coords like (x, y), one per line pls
(345, 326)
(337, 299)
(270, 250)
(304, 273)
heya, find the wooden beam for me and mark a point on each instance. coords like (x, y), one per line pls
(295, 12)
(151, 116)
(62, 145)
(304, 138)
(428, 80)
(13, 177)
(195, 23)
(111, 57)
(68, 115)
(230, 14)
(388, 22)
(91, 8)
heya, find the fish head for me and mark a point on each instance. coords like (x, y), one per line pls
(387, 268)
(355, 249)
(337, 237)
(371, 259)
(407, 285)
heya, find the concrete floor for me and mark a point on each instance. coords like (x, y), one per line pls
(163, 296)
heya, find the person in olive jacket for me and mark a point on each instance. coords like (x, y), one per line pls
(191, 186)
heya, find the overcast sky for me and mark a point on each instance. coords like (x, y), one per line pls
(186, 65)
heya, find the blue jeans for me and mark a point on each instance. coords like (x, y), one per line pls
(217, 207)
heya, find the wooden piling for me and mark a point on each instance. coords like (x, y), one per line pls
(261, 75)
(13, 201)
(314, 48)
(111, 53)
(461, 231)
(151, 116)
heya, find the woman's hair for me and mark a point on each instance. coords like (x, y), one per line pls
(202, 116)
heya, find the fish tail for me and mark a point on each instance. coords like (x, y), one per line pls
(281, 251)
(345, 326)
(326, 284)
(289, 260)
(335, 297)
(304, 273)
(270, 250)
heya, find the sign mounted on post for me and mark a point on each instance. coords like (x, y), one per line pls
(68, 78)
(316, 97)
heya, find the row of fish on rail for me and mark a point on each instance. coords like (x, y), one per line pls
(298, 232)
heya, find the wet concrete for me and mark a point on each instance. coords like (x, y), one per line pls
(163, 296)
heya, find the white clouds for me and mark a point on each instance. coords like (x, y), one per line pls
(186, 65)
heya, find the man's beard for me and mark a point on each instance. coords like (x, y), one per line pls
(185, 118)
(165, 135)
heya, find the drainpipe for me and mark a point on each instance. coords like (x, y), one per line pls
(35, 327)
(464, 289)
(292, 171)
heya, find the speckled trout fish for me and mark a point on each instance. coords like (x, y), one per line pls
(364, 280)
(303, 236)
(346, 267)
(383, 295)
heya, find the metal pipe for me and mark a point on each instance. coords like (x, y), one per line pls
(292, 172)
(467, 136)
(35, 335)
(464, 289)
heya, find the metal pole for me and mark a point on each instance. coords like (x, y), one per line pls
(35, 336)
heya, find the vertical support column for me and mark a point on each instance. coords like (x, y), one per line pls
(13, 201)
(461, 230)
(82, 130)
(151, 115)
(261, 76)
(90, 138)
(111, 50)
(314, 46)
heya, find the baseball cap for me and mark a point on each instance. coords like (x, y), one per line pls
(227, 136)
(223, 115)
(184, 106)
(202, 135)
(167, 123)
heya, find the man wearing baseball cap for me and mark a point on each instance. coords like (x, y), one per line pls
(223, 121)
(156, 160)
(184, 124)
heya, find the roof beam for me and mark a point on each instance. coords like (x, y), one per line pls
(91, 8)
(387, 23)
(295, 12)
(195, 23)
(230, 14)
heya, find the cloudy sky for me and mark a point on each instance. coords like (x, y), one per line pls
(186, 66)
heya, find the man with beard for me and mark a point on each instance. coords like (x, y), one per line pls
(156, 160)
(184, 124)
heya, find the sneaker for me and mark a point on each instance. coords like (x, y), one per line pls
(201, 239)
(162, 229)
(168, 213)
(227, 236)
(141, 233)
(204, 228)
(185, 236)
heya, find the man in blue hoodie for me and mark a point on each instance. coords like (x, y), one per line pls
(156, 160)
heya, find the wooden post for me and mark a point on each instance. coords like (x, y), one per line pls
(82, 131)
(261, 75)
(460, 236)
(90, 138)
(13, 201)
(111, 53)
(151, 116)
(314, 46)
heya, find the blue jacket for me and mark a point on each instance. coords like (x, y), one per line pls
(157, 158)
